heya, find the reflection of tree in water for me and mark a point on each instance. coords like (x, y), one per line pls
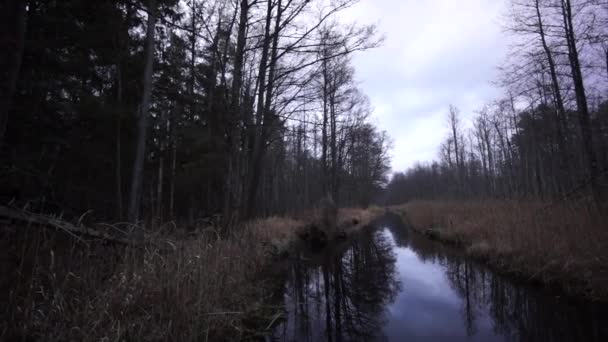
(519, 312)
(342, 294)
(345, 297)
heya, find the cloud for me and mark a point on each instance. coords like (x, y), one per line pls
(436, 53)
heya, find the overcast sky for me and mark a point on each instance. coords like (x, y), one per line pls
(436, 53)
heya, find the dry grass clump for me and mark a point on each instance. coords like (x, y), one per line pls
(363, 216)
(355, 218)
(347, 220)
(561, 243)
(275, 232)
(203, 288)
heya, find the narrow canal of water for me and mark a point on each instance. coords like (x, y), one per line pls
(390, 284)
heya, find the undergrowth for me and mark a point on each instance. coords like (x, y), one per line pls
(179, 287)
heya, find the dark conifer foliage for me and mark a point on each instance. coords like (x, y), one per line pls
(239, 108)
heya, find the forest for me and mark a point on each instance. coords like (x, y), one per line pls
(162, 160)
(139, 136)
(163, 110)
(547, 137)
(524, 183)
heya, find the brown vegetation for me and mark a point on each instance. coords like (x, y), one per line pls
(562, 244)
(207, 286)
(199, 288)
(351, 219)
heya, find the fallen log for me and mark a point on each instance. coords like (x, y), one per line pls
(73, 230)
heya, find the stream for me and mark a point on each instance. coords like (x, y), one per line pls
(390, 284)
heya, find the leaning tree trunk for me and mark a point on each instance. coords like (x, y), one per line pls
(12, 36)
(142, 123)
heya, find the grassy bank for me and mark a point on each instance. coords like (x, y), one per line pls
(561, 244)
(206, 286)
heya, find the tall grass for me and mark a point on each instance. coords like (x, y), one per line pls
(209, 286)
(563, 243)
(202, 288)
(349, 218)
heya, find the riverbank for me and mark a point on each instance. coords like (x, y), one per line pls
(207, 285)
(556, 244)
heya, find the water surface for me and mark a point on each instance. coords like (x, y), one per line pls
(389, 284)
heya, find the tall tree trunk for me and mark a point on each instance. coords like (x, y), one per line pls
(161, 169)
(192, 80)
(172, 184)
(159, 188)
(12, 38)
(215, 61)
(142, 123)
(324, 139)
(454, 127)
(173, 129)
(239, 55)
(273, 63)
(224, 56)
(121, 48)
(237, 113)
(506, 156)
(564, 173)
(491, 173)
(581, 103)
(259, 140)
(333, 142)
(267, 117)
(118, 170)
(483, 155)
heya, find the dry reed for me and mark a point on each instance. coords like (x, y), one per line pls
(563, 244)
(201, 288)
(210, 286)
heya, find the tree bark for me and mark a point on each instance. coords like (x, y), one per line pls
(173, 129)
(192, 80)
(333, 141)
(118, 170)
(581, 103)
(142, 124)
(121, 48)
(559, 102)
(237, 113)
(259, 140)
(454, 126)
(324, 139)
(161, 171)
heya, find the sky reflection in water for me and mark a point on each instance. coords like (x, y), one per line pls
(390, 285)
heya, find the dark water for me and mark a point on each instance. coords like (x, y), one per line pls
(392, 285)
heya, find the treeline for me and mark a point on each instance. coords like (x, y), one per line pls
(173, 109)
(548, 137)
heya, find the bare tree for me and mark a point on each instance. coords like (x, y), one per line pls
(454, 123)
(581, 102)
